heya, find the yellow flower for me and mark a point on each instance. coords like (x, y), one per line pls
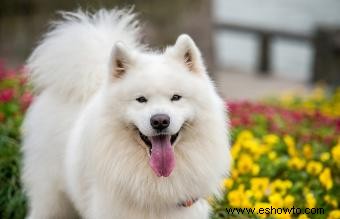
(276, 200)
(245, 135)
(289, 201)
(292, 151)
(303, 216)
(280, 186)
(255, 170)
(330, 200)
(336, 153)
(296, 163)
(258, 195)
(335, 214)
(289, 141)
(325, 156)
(251, 144)
(308, 151)
(259, 186)
(241, 187)
(314, 167)
(249, 193)
(246, 200)
(234, 174)
(326, 178)
(239, 198)
(258, 149)
(272, 155)
(228, 183)
(235, 150)
(288, 184)
(246, 203)
(310, 200)
(245, 164)
(271, 139)
(235, 198)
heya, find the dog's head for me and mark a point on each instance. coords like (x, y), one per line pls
(161, 94)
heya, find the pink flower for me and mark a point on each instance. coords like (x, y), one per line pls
(6, 95)
(11, 74)
(26, 100)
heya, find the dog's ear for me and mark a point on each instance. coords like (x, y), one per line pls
(186, 51)
(120, 60)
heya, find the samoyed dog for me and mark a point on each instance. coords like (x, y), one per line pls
(118, 131)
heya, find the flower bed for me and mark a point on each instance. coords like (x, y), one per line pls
(14, 100)
(286, 153)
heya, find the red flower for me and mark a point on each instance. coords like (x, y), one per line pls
(6, 95)
(338, 124)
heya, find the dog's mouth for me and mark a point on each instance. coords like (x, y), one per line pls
(148, 143)
(161, 152)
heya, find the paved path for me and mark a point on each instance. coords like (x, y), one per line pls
(240, 86)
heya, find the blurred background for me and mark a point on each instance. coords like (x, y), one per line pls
(252, 47)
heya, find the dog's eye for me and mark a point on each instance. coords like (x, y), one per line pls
(141, 99)
(176, 97)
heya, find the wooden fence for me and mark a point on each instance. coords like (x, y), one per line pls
(325, 42)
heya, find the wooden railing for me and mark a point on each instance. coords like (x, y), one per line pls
(265, 37)
(325, 43)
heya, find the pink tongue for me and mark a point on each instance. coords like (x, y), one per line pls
(162, 159)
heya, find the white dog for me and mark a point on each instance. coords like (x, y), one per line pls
(117, 131)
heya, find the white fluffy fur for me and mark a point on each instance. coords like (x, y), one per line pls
(82, 152)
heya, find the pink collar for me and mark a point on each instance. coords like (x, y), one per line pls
(188, 203)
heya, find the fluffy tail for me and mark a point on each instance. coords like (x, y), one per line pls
(73, 57)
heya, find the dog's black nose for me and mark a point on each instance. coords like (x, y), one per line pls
(160, 121)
